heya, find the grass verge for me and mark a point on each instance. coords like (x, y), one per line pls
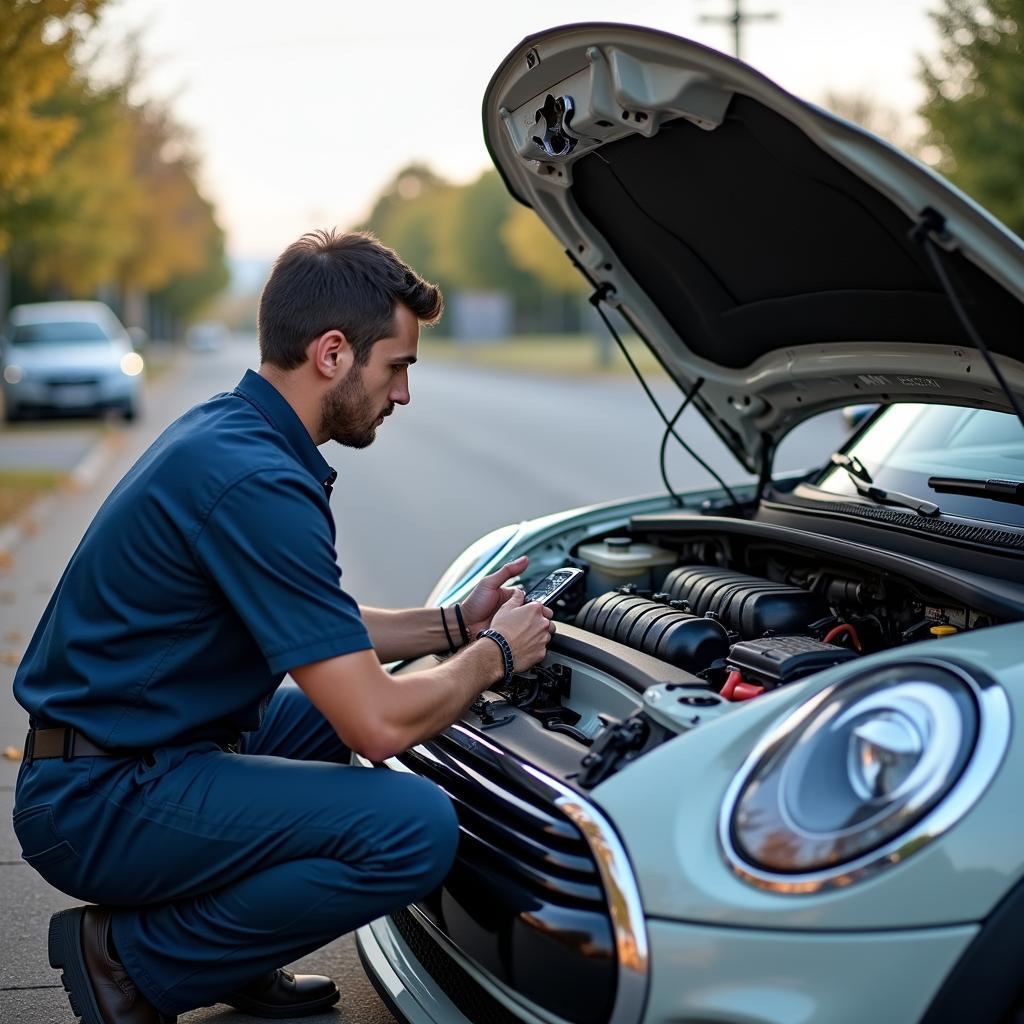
(565, 354)
(20, 487)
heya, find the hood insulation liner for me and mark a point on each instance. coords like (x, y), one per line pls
(749, 239)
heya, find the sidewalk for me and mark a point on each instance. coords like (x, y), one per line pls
(30, 991)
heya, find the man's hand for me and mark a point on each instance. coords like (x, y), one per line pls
(490, 594)
(526, 627)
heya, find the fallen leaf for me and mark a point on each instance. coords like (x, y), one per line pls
(12, 754)
(10, 657)
(14, 636)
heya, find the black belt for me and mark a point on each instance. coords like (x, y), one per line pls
(65, 743)
(69, 743)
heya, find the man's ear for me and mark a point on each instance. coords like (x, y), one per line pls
(331, 355)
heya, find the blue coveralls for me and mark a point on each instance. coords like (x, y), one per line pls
(207, 574)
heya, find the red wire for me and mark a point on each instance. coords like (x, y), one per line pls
(844, 628)
(735, 676)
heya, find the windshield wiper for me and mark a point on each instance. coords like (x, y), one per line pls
(866, 487)
(1011, 491)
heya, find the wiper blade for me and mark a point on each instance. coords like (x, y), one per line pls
(852, 465)
(1011, 491)
(866, 488)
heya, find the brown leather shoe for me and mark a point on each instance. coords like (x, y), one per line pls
(98, 987)
(281, 994)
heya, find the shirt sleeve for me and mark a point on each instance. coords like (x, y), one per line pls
(267, 545)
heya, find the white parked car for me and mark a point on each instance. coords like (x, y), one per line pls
(61, 357)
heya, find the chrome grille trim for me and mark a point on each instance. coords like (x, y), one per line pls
(621, 892)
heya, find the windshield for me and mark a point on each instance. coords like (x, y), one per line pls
(59, 332)
(906, 444)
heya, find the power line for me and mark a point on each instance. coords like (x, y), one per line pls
(737, 19)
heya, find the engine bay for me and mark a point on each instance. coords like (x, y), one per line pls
(669, 628)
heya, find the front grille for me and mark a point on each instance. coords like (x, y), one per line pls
(474, 1002)
(524, 900)
(518, 831)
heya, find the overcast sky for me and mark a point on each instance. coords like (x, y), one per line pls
(303, 109)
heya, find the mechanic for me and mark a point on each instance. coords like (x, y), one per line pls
(210, 813)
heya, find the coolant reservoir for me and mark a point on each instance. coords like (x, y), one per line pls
(616, 561)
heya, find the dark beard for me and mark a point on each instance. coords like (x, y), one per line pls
(347, 415)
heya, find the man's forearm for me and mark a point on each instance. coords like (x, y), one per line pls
(419, 705)
(400, 634)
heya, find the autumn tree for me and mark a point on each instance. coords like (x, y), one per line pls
(119, 208)
(476, 237)
(409, 215)
(533, 248)
(73, 229)
(471, 244)
(37, 42)
(975, 102)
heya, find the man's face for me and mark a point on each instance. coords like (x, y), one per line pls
(353, 409)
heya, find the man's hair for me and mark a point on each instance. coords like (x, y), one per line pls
(348, 282)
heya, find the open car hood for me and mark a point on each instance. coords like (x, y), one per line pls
(753, 240)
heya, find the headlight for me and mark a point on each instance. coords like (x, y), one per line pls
(131, 364)
(13, 374)
(862, 775)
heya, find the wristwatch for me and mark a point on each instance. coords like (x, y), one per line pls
(506, 652)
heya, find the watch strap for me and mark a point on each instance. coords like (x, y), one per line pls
(506, 652)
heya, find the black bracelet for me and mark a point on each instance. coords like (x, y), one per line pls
(462, 624)
(506, 652)
(447, 634)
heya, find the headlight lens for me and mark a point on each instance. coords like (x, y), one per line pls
(13, 374)
(855, 771)
(131, 364)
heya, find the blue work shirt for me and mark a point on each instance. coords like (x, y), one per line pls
(207, 574)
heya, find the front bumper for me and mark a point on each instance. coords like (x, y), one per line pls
(92, 391)
(699, 975)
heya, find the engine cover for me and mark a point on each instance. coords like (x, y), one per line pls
(684, 640)
(747, 605)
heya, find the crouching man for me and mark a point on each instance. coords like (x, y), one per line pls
(208, 814)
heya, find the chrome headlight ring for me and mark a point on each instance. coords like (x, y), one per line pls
(894, 756)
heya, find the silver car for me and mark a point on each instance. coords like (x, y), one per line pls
(769, 771)
(61, 357)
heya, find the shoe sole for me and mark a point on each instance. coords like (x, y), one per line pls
(287, 1012)
(64, 944)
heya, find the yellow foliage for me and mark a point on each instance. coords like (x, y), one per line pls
(174, 225)
(534, 249)
(36, 40)
(79, 223)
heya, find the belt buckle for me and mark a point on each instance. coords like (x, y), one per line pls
(30, 746)
(69, 744)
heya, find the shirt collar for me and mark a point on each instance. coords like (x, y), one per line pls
(260, 393)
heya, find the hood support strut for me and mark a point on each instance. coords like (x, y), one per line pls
(931, 234)
(601, 294)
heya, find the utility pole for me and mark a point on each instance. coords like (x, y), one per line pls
(737, 19)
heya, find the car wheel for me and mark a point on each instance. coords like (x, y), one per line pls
(130, 412)
(12, 414)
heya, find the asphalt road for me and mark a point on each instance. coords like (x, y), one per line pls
(473, 450)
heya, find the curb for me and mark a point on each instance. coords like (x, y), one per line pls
(81, 478)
